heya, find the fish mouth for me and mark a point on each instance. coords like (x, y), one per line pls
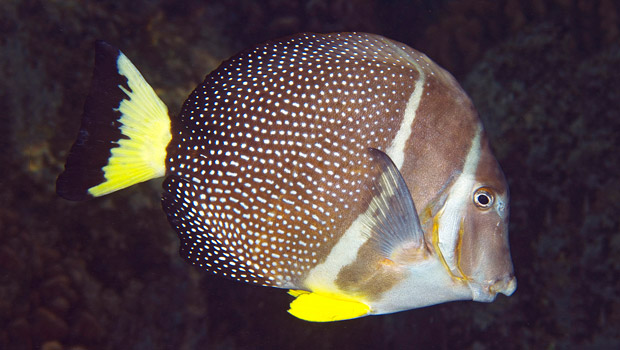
(506, 286)
(488, 290)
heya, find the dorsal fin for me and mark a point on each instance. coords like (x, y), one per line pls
(391, 218)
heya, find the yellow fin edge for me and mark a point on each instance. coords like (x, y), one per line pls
(145, 121)
(315, 307)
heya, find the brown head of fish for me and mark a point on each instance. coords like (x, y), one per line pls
(346, 167)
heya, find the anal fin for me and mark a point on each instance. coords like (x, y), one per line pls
(316, 307)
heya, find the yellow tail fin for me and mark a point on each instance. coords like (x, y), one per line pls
(124, 134)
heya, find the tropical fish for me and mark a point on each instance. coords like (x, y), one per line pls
(346, 167)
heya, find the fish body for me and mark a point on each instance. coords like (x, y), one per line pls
(345, 167)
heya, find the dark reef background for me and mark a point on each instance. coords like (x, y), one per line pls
(105, 274)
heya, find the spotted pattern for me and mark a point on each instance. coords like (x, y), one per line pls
(269, 160)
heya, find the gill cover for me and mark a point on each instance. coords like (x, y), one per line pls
(485, 252)
(470, 232)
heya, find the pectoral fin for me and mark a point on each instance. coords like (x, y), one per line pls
(317, 307)
(391, 219)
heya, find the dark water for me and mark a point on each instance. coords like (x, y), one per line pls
(105, 274)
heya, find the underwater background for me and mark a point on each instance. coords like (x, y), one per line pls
(105, 274)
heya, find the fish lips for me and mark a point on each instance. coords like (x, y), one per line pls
(488, 290)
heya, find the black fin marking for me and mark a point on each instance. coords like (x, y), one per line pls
(391, 218)
(100, 129)
(124, 134)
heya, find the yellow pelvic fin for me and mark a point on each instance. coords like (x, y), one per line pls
(317, 307)
(145, 122)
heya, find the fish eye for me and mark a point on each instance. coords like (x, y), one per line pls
(483, 198)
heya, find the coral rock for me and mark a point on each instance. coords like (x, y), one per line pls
(52, 345)
(87, 328)
(48, 326)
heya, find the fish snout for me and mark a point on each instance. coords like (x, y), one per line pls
(487, 291)
(506, 286)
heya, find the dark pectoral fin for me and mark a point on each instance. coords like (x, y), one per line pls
(391, 218)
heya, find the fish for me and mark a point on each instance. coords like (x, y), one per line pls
(347, 168)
